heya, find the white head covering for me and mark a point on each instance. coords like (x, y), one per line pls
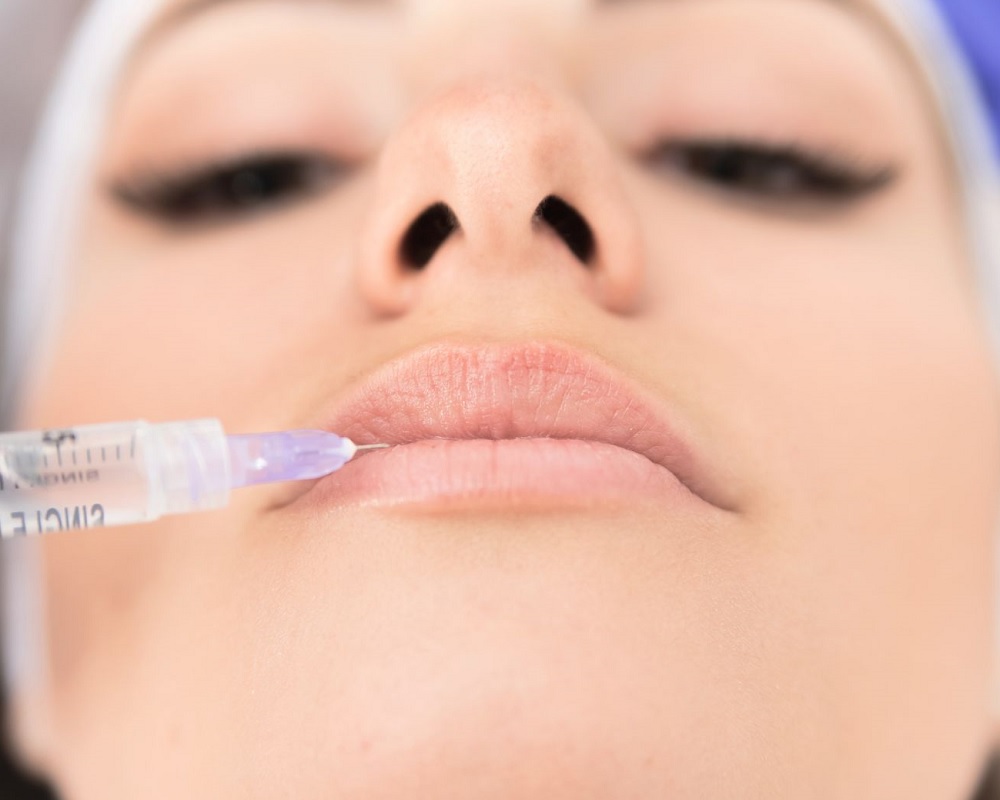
(44, 228)
(59, 169)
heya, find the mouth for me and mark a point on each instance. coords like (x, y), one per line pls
(507, 426)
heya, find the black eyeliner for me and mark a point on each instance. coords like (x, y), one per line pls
(829, 176)
(216, 190)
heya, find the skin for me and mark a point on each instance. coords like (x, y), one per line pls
(829, 636)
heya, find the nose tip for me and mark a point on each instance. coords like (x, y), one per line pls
(493, 172)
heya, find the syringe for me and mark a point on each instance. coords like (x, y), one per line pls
(123, 473)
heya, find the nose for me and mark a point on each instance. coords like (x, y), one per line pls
(511, 179)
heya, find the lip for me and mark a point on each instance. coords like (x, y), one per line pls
(506, 426)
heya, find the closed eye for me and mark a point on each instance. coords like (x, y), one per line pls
(784, 173)
(228, 191)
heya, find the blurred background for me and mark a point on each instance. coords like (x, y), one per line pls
(33, 34)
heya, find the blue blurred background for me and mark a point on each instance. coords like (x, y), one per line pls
(976, 23)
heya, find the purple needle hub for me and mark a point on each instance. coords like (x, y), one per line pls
(286, 456)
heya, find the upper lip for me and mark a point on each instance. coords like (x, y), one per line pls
(514, 390)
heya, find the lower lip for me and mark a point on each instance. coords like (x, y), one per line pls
(495, 474)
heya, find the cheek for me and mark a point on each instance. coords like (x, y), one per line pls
(851, 378)
(231, 325)
(224, 323)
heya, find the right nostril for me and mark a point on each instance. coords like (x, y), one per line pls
(426, 235)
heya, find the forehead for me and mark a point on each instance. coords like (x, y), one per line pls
(873, 17)
(176, 16)
(882, 44)
(179, 12)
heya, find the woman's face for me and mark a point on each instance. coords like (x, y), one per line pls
(759, 564)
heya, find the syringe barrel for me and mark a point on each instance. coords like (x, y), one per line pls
(193, 463)
(116, 474)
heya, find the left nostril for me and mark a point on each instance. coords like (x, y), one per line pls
(427, 233)
(569, 224)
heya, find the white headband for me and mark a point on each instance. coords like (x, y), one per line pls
(60, 164)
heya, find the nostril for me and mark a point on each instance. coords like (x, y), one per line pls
(427, 233)
(569, 224)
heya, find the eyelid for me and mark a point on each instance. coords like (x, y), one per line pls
(192, 194)
(150, 177)
(831, 175)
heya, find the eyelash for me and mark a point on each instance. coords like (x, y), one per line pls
(231, 190)
(771, 173)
